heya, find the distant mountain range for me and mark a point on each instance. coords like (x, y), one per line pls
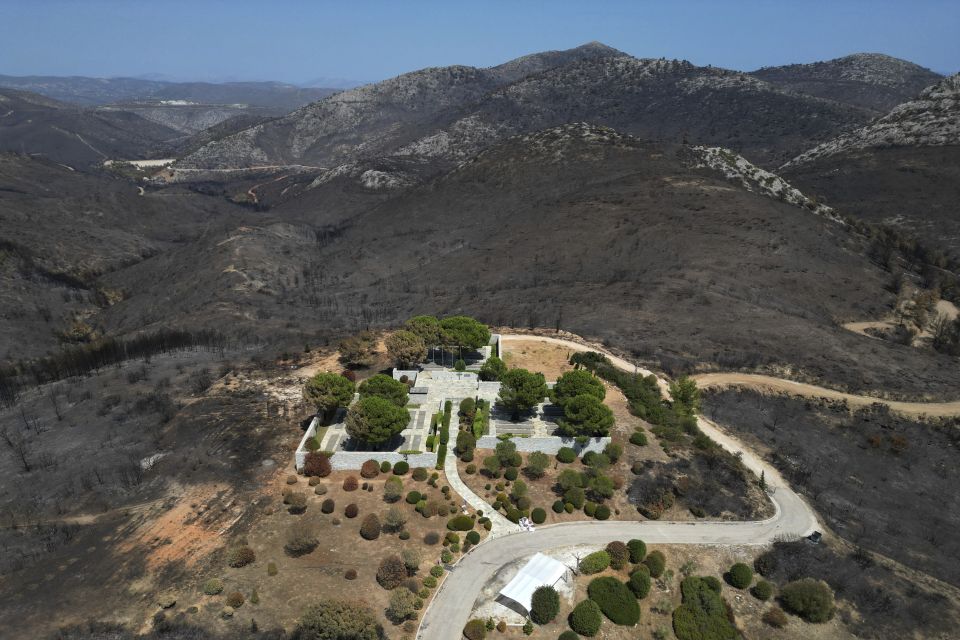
(101, 91)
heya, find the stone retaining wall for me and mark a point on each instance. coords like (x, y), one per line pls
(547, 444)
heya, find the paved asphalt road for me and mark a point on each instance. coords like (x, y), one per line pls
(450, 609)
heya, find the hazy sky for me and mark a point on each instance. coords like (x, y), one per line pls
(299, 41)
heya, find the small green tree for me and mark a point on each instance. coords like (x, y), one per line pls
(686, 395)
(375, 420)
(575, 383)
(584, 415)
(740, 576)
(406, 348)
(464, 332)
(537, 463)
(544, 605)
(328, 392)
(521, 390)
(492, 369)
(810, 599)
(383, 386)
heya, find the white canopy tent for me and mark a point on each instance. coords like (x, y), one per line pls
(538, 572)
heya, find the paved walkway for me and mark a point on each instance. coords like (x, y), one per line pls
(451, 607)
(501, 526)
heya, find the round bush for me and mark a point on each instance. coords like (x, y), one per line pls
(467, 456)
(810, 599)
(429, 582)
(586, 618)
(317, 464)
(350, 574)
(775, 617)
(557, 506)
(544, 605)
(313, 481)
(351, 510)
(566, 455)
(414, 497)
(638, 550)
(213, 586)
(619, 554)
(404, 535)
(391, 573)
(616, 601)
(590, 508)
(639, 582)
(460, 523)
(514, 515)
(370, 528)
(452, 538)
(240, 556)
(320, 490)
(656, 563)
(595, 562)
(602, 512)
(511, 473)
(419, 474)
(568, 635)
(538, 515)
(568, 507)
(637, 467)
(740, 576)
(523, 503)
(473, 537)
(638, 438)
(436, 571)
(350, 483)
(369, 469)
(471, 469)
(235, 599)
(475, 630)
(765, 564)
(385, 466)
(328, 505)
(291, 479)
(762, 590)
(401, 468)
(431, 538)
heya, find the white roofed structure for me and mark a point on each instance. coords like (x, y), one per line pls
(540, 571)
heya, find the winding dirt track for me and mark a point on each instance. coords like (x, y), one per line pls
(448, 613)
(768, 383)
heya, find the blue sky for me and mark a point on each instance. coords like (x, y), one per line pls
(297, 41)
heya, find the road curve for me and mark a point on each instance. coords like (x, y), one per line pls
(450, 609)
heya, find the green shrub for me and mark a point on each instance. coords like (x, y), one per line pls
(613, 451)
(471, 469)
(272, 569)
(401, 468)
(566, 455)
(713, 583)
(702, 614)
(639, 582)
(430, 582)
(436, 571)
(460, 523)
(638, 550)
(213, 586)
(762, 590)
(514, 515)
(404, 535)
(575, 496)
(475, 630)
(467, 407)
(602, 512)
(385, 466)
(638, 438)
(452, 538)
(810, 599)
(590, 508)
(538, 515)
(568, 635)
(557, 506)
(336, 619)
(473, 537)
(414, 497)
(568, 507)
(740, 576)
(240, 556)
(544, 605)
(616, 601)
(656, 563)
(595, 562)
(511, 473)
(419, 474)
(586, 618)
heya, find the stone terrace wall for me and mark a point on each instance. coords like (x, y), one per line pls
(547, 444)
